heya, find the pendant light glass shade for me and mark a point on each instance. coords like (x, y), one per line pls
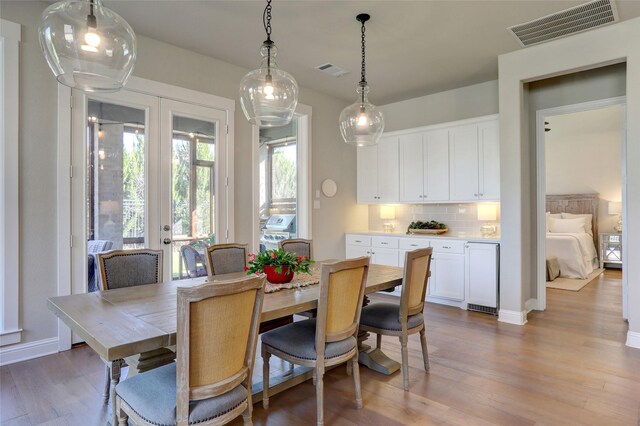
(268, 95)
(87, 45)
(361, 123)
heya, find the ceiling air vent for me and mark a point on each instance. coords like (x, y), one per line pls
(567, 22)
(332, 70)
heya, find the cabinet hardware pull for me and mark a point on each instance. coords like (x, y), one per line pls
(424, 196)
(475, 195)
(447, 247)
(414, 245)
(358, 241)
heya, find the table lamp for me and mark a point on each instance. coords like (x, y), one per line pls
(487, 212)
(615, 208)
(387, 213)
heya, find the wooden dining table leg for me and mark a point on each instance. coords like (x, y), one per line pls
(115, 368)
(374, 358)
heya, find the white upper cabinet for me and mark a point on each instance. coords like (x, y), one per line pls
(424, 166)
(474, 162)
(457, 161)
(378, 176)
(489, 150)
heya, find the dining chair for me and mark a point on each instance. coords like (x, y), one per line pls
(393, 319)
(191, 257)
(329, 339)
(210, 382)
(299, 246)
(226, 258)
(129, 268)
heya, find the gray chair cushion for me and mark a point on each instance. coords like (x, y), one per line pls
(386, 316)
(299, 339)
(228, 260)
(153, 396)
(131, 269)
(301, 249)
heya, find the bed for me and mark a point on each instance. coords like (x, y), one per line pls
(574, 246)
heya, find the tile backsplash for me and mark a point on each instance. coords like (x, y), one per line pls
(459, 218)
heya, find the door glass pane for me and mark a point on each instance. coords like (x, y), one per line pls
(116, 144)
(193, 195)
(278, 186)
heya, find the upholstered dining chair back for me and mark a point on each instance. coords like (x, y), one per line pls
(341, 294)
(216, 333)
(417, 270)
(299, 246)
(128, 268)
(226, 258)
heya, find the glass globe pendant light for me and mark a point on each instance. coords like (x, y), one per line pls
(361, 123)
(268, 95)
(87, 45)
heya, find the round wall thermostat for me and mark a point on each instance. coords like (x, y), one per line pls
(329, 188)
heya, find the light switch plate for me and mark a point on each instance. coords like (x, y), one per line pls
(317, 193)
(316, 204)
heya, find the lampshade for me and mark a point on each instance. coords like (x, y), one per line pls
(487, 212)
(361, 123)
(87, 45)
(614, 207)
(387, 212)
(268, 95)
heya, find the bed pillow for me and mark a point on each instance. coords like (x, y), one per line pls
(588, 226)
(549, 215)
(568, 226)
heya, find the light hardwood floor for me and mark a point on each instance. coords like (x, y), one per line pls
(567, 366)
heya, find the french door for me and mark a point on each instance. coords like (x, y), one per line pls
(147, 172)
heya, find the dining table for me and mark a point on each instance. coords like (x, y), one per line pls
(136, 324)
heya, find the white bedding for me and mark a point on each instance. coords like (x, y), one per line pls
(576, 253)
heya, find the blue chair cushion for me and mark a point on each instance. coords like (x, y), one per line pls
(386, 316)
(299, 340)
(152, 395)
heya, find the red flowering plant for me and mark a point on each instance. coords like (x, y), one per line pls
(284, 261)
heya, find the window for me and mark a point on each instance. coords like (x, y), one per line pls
(9, 249)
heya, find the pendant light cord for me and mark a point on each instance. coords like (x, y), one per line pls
(363, 79)
(266, 21)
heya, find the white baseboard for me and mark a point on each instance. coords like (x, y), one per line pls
(512, 317)
(25, 351)
(633, 339)
(530, 305)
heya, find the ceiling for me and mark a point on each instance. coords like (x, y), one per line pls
(414, 48)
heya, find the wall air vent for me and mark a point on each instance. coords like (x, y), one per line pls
(567, 22)
(332, 70)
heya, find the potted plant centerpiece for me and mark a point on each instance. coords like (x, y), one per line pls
(279, 265)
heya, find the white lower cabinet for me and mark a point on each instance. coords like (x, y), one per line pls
(462, 273)
(447, 277)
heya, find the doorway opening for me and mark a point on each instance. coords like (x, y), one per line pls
(581, 170)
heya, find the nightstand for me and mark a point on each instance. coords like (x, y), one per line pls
(610, 248)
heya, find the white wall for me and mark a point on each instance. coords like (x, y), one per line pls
(583, 155)
(457, 104)
(172, 65)
(603, 46)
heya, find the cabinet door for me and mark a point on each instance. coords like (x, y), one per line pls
(489, 150)
(367, 174)
(382, 256)
(357, 251)
(411, 168)
(482, 274)
(436, 165)
(388, 173)
(463, 163)
(448, 279)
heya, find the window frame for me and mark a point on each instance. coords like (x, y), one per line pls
(10, 331)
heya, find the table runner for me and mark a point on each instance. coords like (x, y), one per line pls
(299, 280)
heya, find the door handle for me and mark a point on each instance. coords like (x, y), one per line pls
(166, 241)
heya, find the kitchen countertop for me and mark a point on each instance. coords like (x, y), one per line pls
(472, 238)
